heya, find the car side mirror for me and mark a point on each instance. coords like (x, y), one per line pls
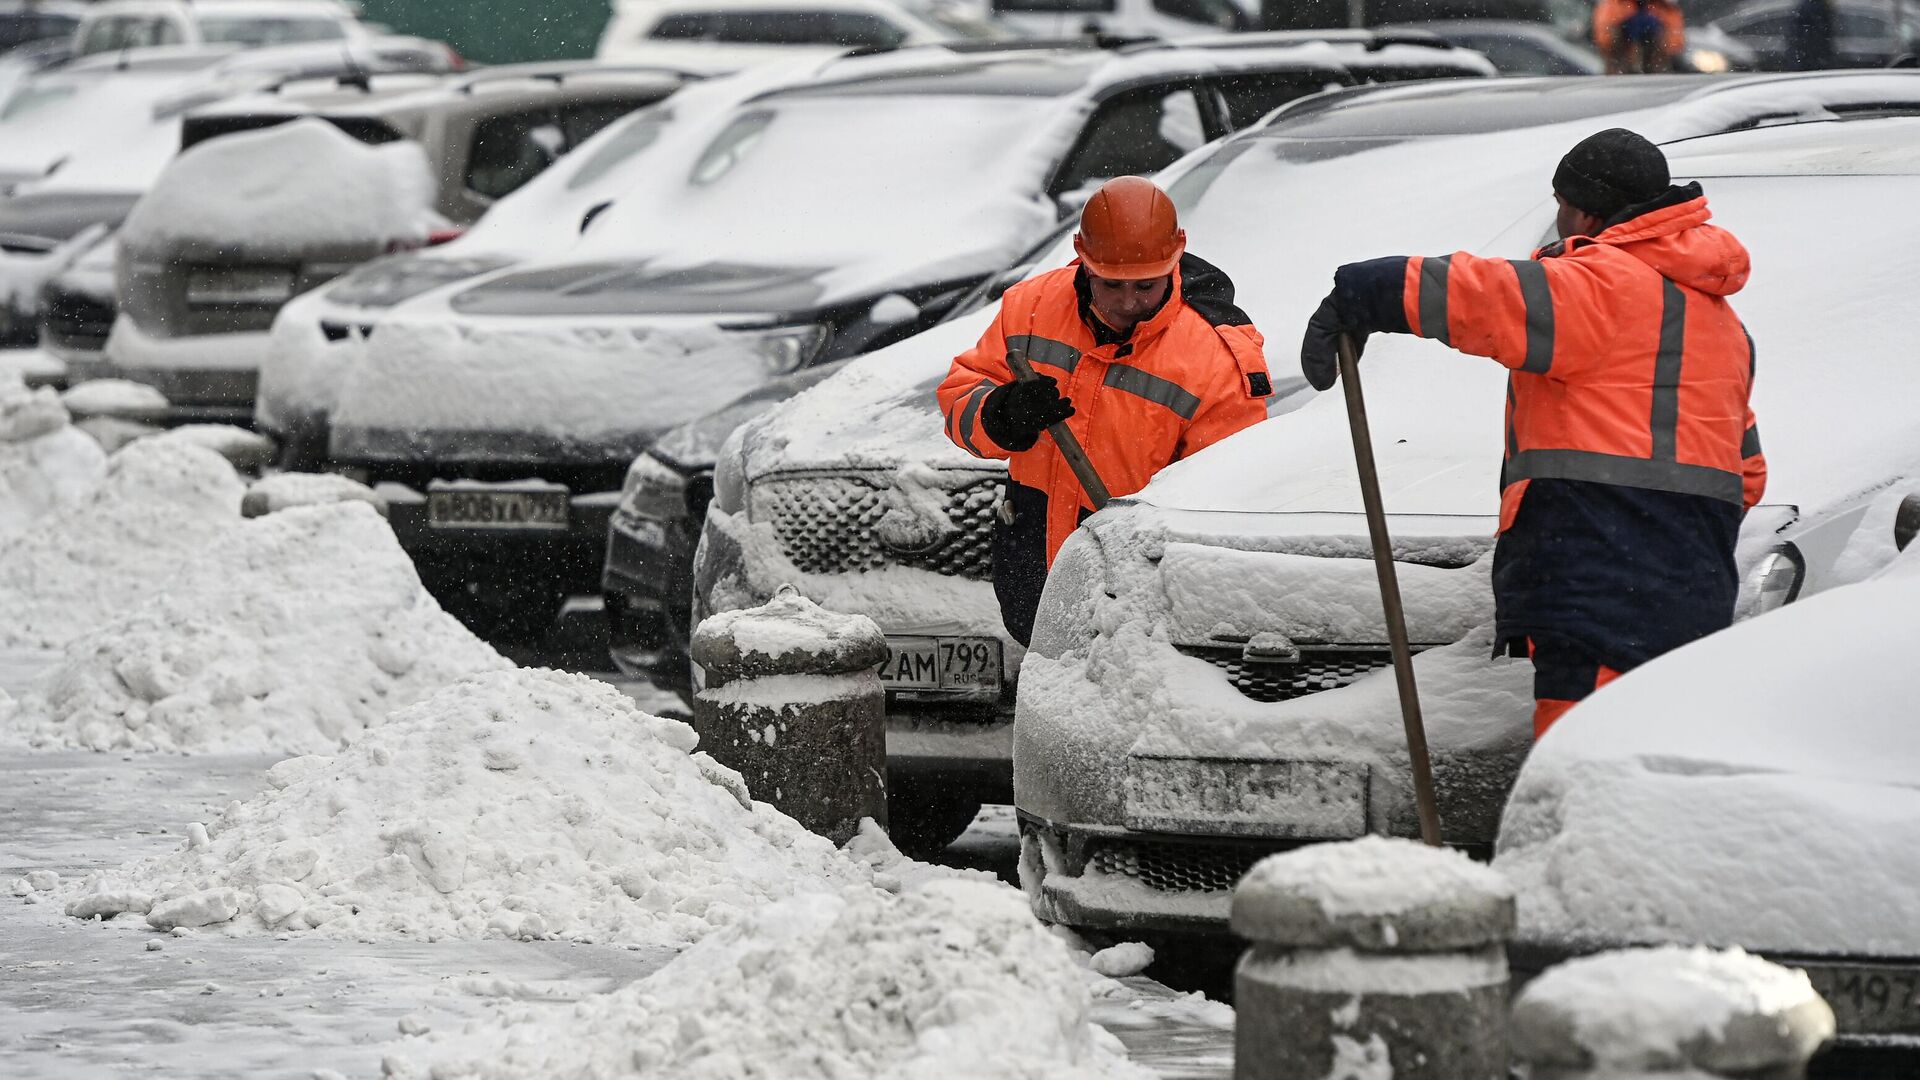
(1906, 521)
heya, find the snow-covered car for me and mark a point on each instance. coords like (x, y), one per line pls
(1707, 798)
(1515, 47)
(651, 546)
(80, 142)
(1208, 677)
(1155, 18)
(215, 250)
(114, 25)
(810, 223)
(727, 35)
(1866, 33)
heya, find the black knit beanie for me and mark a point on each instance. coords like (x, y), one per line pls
(1607, 172)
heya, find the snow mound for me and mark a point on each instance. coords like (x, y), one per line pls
(113, 397)
(141, 533)
(790, 623)
(300, 184)
(242, 448)
(45, 463)
(1653, 1008)
(1376, 875)
(282, 491)
(521, 804)
(304, 629)
(952, 979)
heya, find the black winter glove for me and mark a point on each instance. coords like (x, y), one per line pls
(1015, 414)
(1320, 348)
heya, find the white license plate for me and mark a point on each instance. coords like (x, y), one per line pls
(1868, 998)
(239, 285)
(970, 664)
(493, 509)
(1294, 800)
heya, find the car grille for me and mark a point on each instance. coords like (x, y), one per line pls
(831, 525)
(1316, 670)
(1178, 867)
(76, 321)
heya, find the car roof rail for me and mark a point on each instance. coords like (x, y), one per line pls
(466, 83)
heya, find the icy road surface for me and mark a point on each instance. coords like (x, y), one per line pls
(97, 1000)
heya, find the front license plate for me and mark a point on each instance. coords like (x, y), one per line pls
(493, 509)
(1294, 800)
(239, 285)
(969, 664)
(1868, 999)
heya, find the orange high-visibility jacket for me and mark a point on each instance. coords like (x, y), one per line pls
(1629, 367)
(1181, 381)
(1609, 14)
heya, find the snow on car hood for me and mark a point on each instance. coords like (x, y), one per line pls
(1709, 797)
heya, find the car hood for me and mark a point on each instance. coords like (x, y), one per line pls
(643, 287)
(693, 447)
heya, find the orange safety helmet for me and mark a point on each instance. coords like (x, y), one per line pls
(1130, 231)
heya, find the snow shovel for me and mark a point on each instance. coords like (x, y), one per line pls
(1396, 616)
(1066, 440)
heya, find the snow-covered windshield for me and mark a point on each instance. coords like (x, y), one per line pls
(277, 30)
(813, 180)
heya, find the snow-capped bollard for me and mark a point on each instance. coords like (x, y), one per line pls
(793, 703)
(1673, 1011)
(1372, 957)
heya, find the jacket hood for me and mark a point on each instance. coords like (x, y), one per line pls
(1671, 235)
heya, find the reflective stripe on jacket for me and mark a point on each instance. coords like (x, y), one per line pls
(1185, 378)
(1629, 366)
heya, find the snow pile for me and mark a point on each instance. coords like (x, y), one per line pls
(299, 631)
(949, 979)
(1656, 1009)
(790, 623)
(297, 185)
(45, 464)
(1708, 798)
(1376, 875)
(520, 803)
(142, 533)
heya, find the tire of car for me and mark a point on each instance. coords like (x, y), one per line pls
(922, 819)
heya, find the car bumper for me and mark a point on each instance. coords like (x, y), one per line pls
(206, 378)
(647, 579)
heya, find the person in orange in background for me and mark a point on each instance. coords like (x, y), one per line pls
(1631, 450)
(1139, 350)
(1639, 37)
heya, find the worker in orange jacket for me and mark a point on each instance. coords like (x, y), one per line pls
(1639, 37)
(1631, 450)
(1140, 351)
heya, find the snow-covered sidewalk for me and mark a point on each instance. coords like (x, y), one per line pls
(84, 999)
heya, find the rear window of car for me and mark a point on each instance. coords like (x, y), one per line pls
(227, 29)
(846, 29)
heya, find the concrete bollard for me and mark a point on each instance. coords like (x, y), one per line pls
(1669, 1012)
(1372, 957)
(793, 703)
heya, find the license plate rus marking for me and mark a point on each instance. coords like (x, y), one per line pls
(969, 664)
(1867, 998)
(489, 509)
(1293, 800)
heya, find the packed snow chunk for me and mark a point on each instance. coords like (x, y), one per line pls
(114, 397)
(282, 491)
(143, 532)
(1665, 1008)
(304, 628)
(790, 623)
(297, 185)
(951, 979)
(195, 909)
(243, 449)
(1376, 875)
(45, 463)
(1122, 960)
(519, 804)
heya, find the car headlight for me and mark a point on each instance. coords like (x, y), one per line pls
(653, 489)
(1709, 61)
(790, 348)
(1776, 580)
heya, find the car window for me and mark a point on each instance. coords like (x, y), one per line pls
(1135, 134)
(510, 150)
(223, 29)
(128, 32)
(1766, 25)
(1221, 13)
(583, 120)
(20, 27)
(641, 132)
(1518, 56)
(1854, 22)
(1250, 97)
(685, 26)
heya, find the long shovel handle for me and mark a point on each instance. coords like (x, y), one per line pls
(1396, 615)
(1066, 440)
